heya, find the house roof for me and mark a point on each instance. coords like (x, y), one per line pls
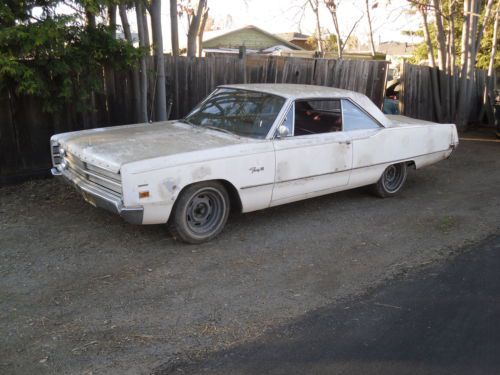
(289, 36)
(396, 48)
(215, 35)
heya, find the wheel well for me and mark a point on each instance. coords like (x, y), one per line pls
(234, 197)
(412, 164)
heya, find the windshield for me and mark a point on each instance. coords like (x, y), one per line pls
(241, 112)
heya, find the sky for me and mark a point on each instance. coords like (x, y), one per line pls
(389, 18)
(276, 16)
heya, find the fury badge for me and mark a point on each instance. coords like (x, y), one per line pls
(256, 169)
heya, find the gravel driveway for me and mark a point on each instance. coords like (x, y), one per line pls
(82, 292)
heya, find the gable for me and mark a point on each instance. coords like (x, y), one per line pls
(250, 37)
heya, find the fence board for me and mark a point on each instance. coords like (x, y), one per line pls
(417, 98)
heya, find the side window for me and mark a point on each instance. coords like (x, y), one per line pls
(355, 119)
(317, 116)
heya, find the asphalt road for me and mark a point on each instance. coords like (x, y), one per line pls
(444, 319)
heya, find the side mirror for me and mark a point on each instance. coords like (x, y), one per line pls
(282, 131)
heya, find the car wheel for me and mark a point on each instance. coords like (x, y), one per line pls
(391, 181)
(200, 212)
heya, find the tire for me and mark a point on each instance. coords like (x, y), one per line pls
(392, 180)
(200, 213)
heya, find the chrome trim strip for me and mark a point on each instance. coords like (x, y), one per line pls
(345, 170)
(254, 186)
(55, 172)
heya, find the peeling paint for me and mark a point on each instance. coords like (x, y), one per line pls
(201, 172)
(112, 147)
(171, 185)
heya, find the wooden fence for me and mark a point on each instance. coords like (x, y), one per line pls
(25, 129)
(197, 77)
(417, 95)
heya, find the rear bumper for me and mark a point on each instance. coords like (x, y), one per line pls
(100, 198)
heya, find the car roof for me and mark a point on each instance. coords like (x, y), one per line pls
(298, 91)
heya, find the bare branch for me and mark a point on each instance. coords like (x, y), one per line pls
(350, 32)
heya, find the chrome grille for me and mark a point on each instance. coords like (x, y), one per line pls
(106, 179)
(56, 154)
(109, 181)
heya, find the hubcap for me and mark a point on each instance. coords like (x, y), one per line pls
(393, 177)
(205, 211)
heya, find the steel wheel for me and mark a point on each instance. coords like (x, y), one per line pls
(205, 211)
(392, 180)
(393, 176)
(200, 212)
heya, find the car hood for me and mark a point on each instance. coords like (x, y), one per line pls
(112, 147)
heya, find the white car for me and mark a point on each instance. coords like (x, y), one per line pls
(246, 147)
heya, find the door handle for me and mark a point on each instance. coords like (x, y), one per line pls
(345, 142)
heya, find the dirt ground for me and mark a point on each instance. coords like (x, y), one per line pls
(82, 292)
(440, 319)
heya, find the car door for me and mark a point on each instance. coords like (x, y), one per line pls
(370, 143)
(316, 156)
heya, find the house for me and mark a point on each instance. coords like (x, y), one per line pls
(298, 39)
(253, 38)
(396, 52)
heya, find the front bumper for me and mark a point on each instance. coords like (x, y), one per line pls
(100, 198)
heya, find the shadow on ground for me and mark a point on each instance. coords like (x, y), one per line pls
(442, 320)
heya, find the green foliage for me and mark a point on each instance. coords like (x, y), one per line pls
(330, 43)
(312, 42)
(483, 55)
(56, 57)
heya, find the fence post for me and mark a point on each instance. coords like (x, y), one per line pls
(402, 90)
(242, 55)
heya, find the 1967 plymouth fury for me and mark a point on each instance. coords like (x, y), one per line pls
(246, 147)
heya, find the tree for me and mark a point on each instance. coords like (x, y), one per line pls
(440, 36)
(423, 8)
(332, 6)
(352, 43)
(494, 45)
(174, 28)
(314, 4)
(194, 16)
(136, 80)
(370, 31)
(488, 96)
(58, 57)
(470, 45)
(444, 38)
(203, 23)
(142, 31)
(160, 97)
(330, 43)
(109, 74)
